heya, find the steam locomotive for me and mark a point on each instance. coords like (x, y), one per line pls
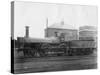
(65, 48)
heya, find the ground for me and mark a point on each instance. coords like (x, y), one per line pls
(44, 64)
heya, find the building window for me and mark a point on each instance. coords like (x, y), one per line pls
(56, 34)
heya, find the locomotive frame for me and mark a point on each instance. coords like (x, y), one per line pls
(65, 48)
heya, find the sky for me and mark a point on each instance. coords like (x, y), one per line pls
(35, 15)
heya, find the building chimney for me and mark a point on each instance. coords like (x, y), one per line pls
(27, 32)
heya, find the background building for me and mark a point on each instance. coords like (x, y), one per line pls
(87, 33)
(62, 30)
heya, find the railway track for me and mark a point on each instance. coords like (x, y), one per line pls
(56, 58)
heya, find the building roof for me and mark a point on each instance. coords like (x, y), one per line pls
(61, 25)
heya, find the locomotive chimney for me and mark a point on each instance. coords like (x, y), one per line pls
(27, 32)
